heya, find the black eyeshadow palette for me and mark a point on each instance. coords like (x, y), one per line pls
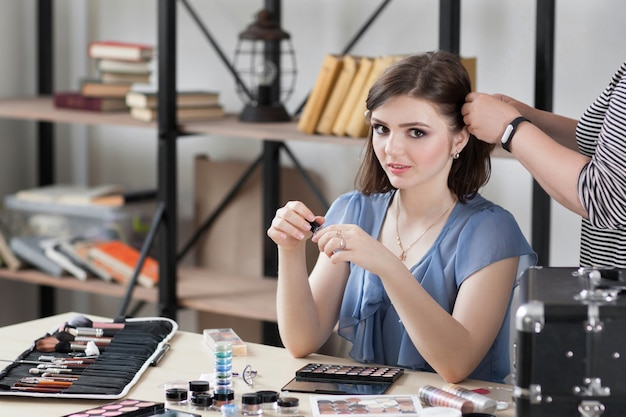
(349, 373)
(122, 408)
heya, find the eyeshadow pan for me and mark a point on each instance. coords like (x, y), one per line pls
(121, 408)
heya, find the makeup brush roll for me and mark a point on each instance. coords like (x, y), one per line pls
(125, 349)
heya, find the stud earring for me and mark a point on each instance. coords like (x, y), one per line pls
(456, 155)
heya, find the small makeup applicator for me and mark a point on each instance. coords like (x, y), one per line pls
(52, 344)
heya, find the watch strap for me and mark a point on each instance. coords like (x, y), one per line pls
(507, 136)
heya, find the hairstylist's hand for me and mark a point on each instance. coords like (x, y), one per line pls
(290, 227)
(486, 116)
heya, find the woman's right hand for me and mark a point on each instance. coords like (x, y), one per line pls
(290, 227)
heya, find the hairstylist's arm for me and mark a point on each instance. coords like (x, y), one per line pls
(555, 167)
(560, 128)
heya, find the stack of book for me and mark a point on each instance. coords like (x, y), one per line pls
(109, 260)
(336, 103)
(120, 65)
(110, 195)
(191, 105)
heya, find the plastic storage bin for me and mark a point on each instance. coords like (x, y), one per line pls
(129, 223)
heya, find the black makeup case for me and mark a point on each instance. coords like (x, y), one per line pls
(110, 375)
(570, 348)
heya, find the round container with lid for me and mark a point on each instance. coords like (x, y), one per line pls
(251, 404)
(223, 396)
(270, 399)
(288, 405)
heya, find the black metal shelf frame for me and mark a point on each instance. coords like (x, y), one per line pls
(165, 218)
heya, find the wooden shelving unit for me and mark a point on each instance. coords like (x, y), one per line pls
(42, 108)
(252, 297)
(197, 288)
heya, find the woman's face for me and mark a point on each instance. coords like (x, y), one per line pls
(413, 143)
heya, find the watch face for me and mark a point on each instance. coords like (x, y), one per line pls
(506, 136)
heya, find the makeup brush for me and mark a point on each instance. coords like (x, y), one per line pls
(91, 331)
(70, 337)
(52, 344)
(82, 321)
(31, 389)
(23, 361)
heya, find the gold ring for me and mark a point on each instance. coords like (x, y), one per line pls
(342, 245)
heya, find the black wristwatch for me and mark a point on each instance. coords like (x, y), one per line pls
(507, 136)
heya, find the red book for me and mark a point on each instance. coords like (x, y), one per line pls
(125, 51)
(118, 256)
(75, 100)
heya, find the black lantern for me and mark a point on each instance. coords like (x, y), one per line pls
(265, 62)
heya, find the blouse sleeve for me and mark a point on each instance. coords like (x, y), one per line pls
(602, 182)
(488, 237)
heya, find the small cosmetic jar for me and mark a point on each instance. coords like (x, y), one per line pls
(270, 399)
(229, 410)
(199, 387)
(440, 412)
(175, 396)
(288, 405)
(251, 404)
(201, 401)
(221, 397)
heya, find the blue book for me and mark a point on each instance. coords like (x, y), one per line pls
(29, 250)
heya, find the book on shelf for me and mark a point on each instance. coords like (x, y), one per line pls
(122, 258)
(99, 88)
(76, 250)
(357, 126)
(470, 65)
(29, 250)
(124, 77)
(341, 122)
(326, 77)
(119, 199)
(125, 51)
(187, 98)
(183, 114)
(50, 246)
(115, 65)
(75, 100)
(7, 255)
(337, 95)
(70, 194)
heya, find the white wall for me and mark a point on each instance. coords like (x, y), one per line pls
(500, 33)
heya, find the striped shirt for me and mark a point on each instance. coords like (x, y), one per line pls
(601, 135)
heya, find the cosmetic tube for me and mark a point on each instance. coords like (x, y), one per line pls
(482, 403)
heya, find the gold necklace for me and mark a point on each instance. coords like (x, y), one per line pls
(402, 256)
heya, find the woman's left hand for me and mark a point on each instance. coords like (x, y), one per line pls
(349, 243)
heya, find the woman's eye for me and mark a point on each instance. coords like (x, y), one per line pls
(380, 129)
(416, 133)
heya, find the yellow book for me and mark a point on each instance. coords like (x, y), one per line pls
(357, 126)
(319, 94)
(341, 122)
(470, 66)
(338, 95)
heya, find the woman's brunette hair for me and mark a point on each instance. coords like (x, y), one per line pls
(441, 79)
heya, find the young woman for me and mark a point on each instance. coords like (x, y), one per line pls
(416, 269)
